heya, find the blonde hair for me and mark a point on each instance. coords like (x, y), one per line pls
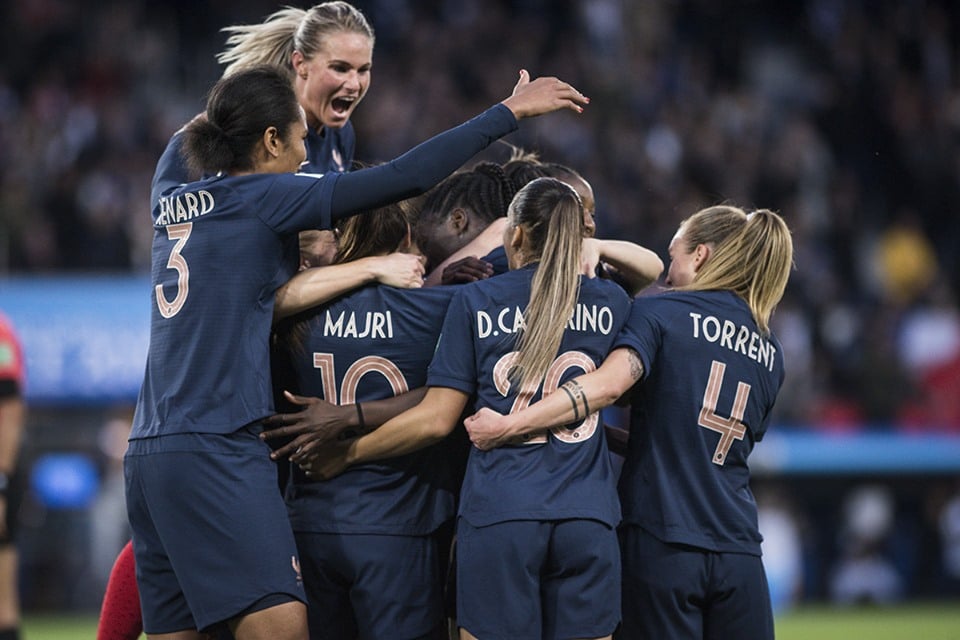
(752, 255)
(551, 215)
(275, 39)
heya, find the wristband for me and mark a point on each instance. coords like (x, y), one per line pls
(361, 423)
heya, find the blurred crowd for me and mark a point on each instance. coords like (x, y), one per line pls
(842, 115)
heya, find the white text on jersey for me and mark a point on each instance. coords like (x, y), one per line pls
(587, 318)
(184, 207)
(376, 324)
(740, 339)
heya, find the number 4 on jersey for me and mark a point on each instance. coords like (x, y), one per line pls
(731, 428)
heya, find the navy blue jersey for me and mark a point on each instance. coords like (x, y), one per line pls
(565, 474)
(710, 381)
(330, 149)
(498, 260)
(374, 343)
(221, 248)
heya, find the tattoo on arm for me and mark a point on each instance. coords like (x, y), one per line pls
(576, 393)
(636, 365)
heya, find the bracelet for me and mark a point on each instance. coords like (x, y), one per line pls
(573, 401)
(361, 423)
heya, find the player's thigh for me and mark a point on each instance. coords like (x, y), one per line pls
(327, 579)
(498, 578)
(664, 588)
(164, 607)
(398, 591)
(284, 621)
(739, 599)
(371, 586)
(215, 508)
(581, 582)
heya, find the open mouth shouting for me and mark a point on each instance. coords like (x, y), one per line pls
(342, 105)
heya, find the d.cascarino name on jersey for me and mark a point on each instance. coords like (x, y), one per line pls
(372, 324)
(184, 207)
(737, 338)
(586, 317)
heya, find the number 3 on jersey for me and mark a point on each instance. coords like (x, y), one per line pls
(176, 261)
(731, 428)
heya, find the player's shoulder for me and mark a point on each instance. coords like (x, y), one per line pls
(604, 287)
(678, 299)
(424, 298)
(499, 289)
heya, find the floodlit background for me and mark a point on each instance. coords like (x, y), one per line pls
(844, 116)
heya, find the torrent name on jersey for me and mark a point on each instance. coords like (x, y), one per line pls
(737, 338)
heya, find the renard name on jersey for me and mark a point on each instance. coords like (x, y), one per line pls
(739, 339)
(586, 317)
(184, 207)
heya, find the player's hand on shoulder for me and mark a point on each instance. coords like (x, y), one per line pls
(465, 270)
(402, 270)
(543, 95)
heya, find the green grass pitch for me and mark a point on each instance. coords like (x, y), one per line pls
(910, 622)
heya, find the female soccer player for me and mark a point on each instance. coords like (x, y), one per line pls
(211, 538)
(368, 553)
(710, 371)
(327, 52)
(450, 218)
(13, 417)
(537, 553)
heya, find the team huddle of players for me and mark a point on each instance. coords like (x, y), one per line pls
(532, 330)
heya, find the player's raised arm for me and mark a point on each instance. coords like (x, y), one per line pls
(428, 163)
(636, 266)
(543, 95)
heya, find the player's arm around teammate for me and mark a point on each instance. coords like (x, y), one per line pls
(711, 371)
(527, 512)
(214, 312)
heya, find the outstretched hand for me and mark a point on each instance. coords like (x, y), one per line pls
(319, 423)
(543, 95)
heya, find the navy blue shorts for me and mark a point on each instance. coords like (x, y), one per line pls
(682, 592)
(372, 586)
(538, 579)
(210, 531)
